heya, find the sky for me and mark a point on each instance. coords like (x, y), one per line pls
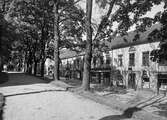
(154, 10)
(97, 12)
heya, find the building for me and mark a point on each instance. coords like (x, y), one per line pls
(130, 55)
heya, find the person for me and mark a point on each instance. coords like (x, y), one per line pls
(67, 74)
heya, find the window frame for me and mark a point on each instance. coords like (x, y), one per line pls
(144, 60)
(132, 63)
(120, 60)
(108, 59)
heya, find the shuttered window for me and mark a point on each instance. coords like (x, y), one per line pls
(120, 60)
(145, 59)
(131, 59)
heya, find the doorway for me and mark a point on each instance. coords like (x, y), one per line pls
(131, 80)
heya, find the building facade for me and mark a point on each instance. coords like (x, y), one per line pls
(133, 62)
(137, 69)
(128, 57)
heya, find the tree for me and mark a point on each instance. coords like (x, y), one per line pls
(38, 16)
(126, 13)
(28, 16)
(66, 15)
(56, 40)
(88, 53)
(34, 19)
(7, 33)
(31, 48)
(159, 55)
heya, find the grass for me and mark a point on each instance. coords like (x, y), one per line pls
(3, 77)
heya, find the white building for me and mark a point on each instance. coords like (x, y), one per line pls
(130, 55)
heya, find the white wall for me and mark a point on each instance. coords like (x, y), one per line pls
(153, 67)
(138, 56)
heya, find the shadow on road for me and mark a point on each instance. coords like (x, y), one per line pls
(162, 109)
(15, 79)
(126, 114)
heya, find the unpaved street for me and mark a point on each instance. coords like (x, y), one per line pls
(42, 101)
(54, 106)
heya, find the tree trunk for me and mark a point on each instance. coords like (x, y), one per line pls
(30, 69)
(0, 52)
(88, 53)
(25, 62)
(25, 67)
(56, 40)
(35, 67)
(27, 70)
(0, 64)
(42, 67)
(43, 38)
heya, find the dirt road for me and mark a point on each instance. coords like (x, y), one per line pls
(42, 101)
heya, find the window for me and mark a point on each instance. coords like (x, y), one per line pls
(145, 76)
(145, 59)
(120, 61)
(132, 49)
(131, 59)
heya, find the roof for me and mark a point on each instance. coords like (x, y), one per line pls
(66, 53)
(125, 41)
(118, 42)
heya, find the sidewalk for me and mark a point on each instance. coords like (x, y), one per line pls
(143, 104)
(30, 98)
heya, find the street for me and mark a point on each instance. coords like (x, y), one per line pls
(39, 100)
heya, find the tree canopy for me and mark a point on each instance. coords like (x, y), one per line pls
(34, 21)
(8, 33)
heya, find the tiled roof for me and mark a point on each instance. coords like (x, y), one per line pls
(120, 42)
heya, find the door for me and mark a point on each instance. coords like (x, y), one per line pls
(131, 80)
